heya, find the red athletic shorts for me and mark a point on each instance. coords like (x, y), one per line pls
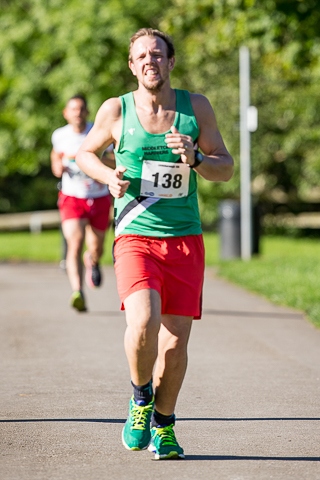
(174, 266)
(96, 210)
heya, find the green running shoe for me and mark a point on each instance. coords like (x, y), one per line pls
(136, 432)
(164, 443)
(77, 301)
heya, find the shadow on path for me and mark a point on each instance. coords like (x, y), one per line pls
(251, 457)
(119, 420)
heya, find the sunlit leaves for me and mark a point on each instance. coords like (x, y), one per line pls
(52, 49)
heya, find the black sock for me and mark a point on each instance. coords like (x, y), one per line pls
(159, 420)
(143, 393)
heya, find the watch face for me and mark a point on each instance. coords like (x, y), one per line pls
(199, 157)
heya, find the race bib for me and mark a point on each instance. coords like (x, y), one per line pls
(164, 179)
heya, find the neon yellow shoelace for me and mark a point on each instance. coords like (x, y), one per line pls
(167, 435)
(140, 416)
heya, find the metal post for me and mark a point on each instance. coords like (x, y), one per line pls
(245, 161)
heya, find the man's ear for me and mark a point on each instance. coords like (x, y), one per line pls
(132, 68)
(171, 63)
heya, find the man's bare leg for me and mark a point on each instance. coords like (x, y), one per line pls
(172, 361)
(95, 243)
(168, 376)
(74, 233)
(143, 315)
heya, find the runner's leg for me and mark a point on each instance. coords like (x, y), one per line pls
(95, 243)
(74, 233)
(172, 360)
(143, 316)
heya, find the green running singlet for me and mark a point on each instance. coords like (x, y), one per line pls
(161, 200)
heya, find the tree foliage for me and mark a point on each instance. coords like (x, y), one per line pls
(52, 49)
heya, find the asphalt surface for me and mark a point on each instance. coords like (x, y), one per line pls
(248, 409)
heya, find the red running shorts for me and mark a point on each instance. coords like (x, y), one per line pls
(95, 210)
(174, 266)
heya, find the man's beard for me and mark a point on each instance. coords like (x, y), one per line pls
(154, 86)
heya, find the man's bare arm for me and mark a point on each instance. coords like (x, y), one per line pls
(217, 164)
(108, 159)
(56, 163)
(106, 130)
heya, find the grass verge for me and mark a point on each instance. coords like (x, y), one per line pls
(46, 246)
(287, 272)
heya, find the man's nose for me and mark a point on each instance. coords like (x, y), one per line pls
(150, 58)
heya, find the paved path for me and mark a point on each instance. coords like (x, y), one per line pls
(249, 407)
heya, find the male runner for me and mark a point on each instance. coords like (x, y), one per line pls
(84, 203)
(159, 255)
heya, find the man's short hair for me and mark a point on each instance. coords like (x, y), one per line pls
(79, 97)
(152, 32)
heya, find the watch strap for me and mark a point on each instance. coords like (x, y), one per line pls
(198, 158)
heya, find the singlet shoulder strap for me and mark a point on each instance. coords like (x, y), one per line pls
(183, 101)
(127, 112)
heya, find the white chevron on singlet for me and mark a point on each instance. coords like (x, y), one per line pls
(134, 213)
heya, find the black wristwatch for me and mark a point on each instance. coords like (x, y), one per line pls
(198, 158)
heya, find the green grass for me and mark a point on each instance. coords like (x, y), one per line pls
(42, 247)
(287, 271)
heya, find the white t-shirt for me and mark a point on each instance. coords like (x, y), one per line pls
(75, 182)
